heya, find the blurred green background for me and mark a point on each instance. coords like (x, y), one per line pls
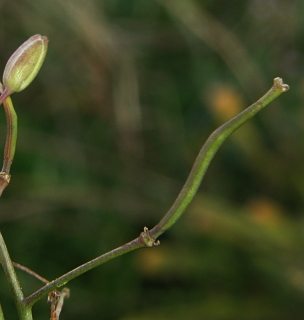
(108, 132)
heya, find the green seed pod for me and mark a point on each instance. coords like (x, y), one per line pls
(24, 64)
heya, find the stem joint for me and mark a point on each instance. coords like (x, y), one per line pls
(147, 240)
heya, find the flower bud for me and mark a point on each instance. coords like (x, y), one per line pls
(24, 64)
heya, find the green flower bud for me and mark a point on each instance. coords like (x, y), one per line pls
(24, 64)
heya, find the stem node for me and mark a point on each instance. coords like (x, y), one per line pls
(278, 83)
(147, 240)
(4, 181)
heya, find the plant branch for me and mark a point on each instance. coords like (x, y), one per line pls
(65, 293)
(53, 285)
(24, 311)
(147, 238)
(207, 153)
(30, 272)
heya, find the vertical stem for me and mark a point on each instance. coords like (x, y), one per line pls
(11, 135)
(25, 313)
(65, 293)
(4, 93)
(1, 313)
(10, 143)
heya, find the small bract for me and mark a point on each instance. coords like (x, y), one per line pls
(23, 66)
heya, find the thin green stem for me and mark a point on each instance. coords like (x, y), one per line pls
(24, 311)
(10, 143)
(4, 93)
(147, 238)
(53, 285)
(206, 154)
(11, 135)
(1, 313)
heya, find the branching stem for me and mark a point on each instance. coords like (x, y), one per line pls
(4, 93)
(25, 312)
(53, 285)
(148, 238)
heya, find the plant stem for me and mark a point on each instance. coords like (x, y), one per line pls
(130, 246)
(4, 93)
(10, 143)
(1, 313)
(147, 238)
(11, 135)
(65, 293)
(206, 154)
(30, 272)
(25, 312)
